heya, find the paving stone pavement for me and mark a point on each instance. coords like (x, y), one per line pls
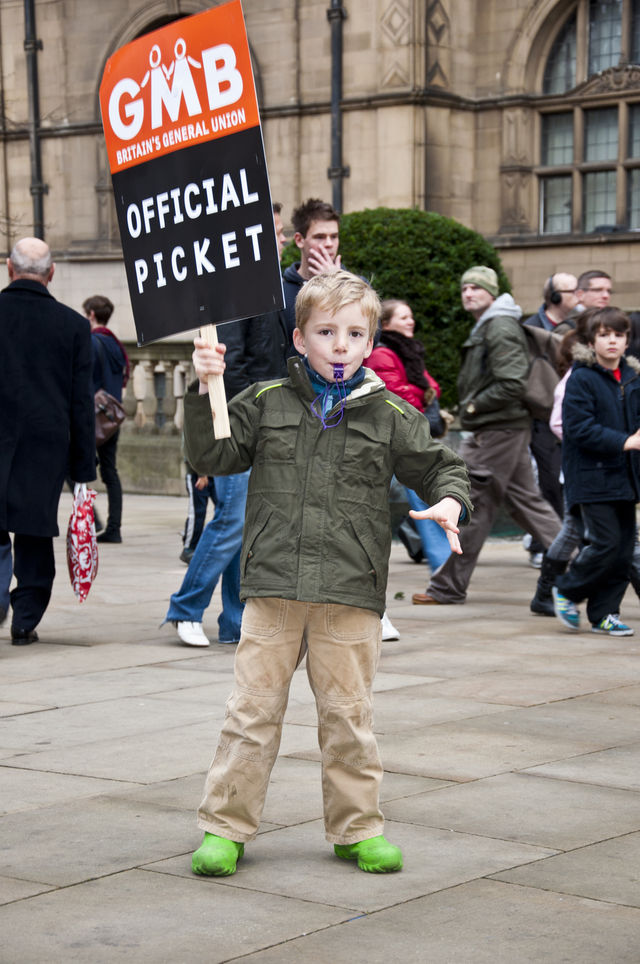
(512, 758)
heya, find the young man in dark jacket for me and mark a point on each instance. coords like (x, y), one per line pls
(600, 440)
(257, 349)
(317, 235)
(110, 372)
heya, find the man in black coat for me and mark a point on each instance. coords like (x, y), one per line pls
(47, 423)
(257, 348)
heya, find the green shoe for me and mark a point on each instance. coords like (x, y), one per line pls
(375, 855)
(216, 856)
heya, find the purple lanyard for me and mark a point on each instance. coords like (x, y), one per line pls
(322, 401)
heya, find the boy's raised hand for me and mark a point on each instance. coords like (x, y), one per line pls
(207, 361)
(446, 513)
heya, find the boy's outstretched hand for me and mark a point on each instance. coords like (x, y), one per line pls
(446, 513)
(207, 361)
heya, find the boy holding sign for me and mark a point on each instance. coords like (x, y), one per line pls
(323, 445)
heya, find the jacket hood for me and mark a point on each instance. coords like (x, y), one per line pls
(371, 383)
(585, 355)
(503, 307)
(291, 274)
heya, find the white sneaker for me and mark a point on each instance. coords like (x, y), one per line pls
(192, 634)
(389, 631)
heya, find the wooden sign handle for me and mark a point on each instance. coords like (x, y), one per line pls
(217, 397)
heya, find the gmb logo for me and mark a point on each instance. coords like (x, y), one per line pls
(167, 87)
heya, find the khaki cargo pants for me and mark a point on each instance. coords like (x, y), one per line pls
(342, 644)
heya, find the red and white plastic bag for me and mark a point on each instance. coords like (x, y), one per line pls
(82, 548)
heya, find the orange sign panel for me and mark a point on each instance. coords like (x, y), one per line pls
(187, 83)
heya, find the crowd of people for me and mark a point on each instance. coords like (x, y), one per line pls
(330, 400)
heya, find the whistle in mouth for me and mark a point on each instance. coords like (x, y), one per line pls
(338, 371)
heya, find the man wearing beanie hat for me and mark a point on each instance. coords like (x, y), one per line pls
(481, 277)
(491, 385)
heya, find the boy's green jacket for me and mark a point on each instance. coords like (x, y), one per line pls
(317, 524)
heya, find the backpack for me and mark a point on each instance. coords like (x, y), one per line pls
(542, 377)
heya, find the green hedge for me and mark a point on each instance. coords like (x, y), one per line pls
(419, 257)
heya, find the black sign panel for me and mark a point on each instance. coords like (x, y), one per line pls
(198, 236)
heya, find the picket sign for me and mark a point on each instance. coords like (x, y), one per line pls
(190, 183)
(215, 383)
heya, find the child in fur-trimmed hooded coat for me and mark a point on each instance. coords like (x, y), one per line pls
(601, 440)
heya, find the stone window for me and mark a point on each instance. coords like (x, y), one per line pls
(589, 167)
(560, 69)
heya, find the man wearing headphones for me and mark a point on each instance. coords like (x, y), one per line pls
(560, 299)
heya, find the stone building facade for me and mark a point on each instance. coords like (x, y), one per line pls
(520, 119)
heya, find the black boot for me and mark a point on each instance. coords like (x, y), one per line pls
(97, 521)
(542, 602)
(109, 535)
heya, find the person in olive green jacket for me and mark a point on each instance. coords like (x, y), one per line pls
(491, 387)
(322, 445)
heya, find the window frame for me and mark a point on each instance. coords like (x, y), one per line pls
(579, 101)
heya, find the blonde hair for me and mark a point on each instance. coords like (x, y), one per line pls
(333, 291)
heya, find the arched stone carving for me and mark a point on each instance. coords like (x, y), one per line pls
(438, 23)
(612, 80)
(396, 37)
(436, 77)
(396, 23)
(438, 45)
(517, 136)
(525, 54)
(515, 202)
(395, 77)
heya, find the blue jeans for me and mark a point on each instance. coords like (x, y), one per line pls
(6, 569)
(435, 544)
(196, 514)
(217, 554)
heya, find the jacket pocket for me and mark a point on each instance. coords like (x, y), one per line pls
(269, 552)
(254, 531)
(366, 450)
(357, 563)
(277, 436)
(377, 551)
(604, 481)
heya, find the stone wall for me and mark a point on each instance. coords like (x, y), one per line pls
(151, 463)
(440, 111)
